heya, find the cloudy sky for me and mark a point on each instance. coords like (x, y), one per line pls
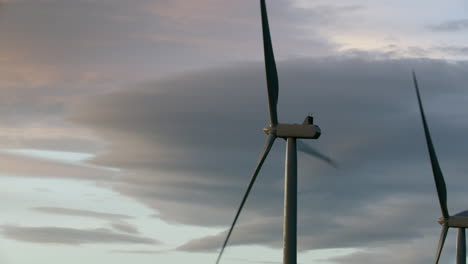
(129, 129)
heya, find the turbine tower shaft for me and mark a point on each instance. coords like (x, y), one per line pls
(290, 204)
(461, 246)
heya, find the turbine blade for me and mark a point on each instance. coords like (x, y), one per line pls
(443, 235)
(270, 66)
(266, 149)
(303, 147)
(438, 177)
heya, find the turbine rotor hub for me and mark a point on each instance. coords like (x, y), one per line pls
(442, 221)
(270, 130)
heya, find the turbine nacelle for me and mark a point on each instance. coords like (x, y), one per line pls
(455, 221)
(304, 130)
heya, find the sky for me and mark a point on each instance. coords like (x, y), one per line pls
(129, 129)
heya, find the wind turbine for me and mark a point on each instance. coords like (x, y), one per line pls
(459, 220)
(290, 132)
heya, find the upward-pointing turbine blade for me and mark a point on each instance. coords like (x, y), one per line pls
(270, 66)
(266, 149)
(301, 146)
(438, 177)
(443, 235)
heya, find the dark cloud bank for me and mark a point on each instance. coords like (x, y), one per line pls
(188, 145)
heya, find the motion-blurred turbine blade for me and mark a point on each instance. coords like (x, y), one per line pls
(266, 149)
(270, 67)
(303, 147)
(438, 177)
(443, 235)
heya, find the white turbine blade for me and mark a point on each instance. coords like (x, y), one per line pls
(437, 172)
(266, 149)
(270, 66)
(443, 235)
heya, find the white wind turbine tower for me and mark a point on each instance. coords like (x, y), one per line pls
(459, 220)
(290, 132)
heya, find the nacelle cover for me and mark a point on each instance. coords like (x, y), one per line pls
(297, 131)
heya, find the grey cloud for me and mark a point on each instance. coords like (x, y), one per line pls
(415, 251)
(30, 167)
(70, 236)
(450, 26)
(125, 227)
(243, 260)
(417, 51)
(83, 213)
(327, 14)
(223, 29)
(454, 50)
(376, 224)
(258, 232)
(394, 52)
(124, 251)
(58, 27)
(374, 54)
(87, 38)
(60, 51)
(188, 144)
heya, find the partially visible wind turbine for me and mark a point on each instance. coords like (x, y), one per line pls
(459, 220)
(290, 132)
